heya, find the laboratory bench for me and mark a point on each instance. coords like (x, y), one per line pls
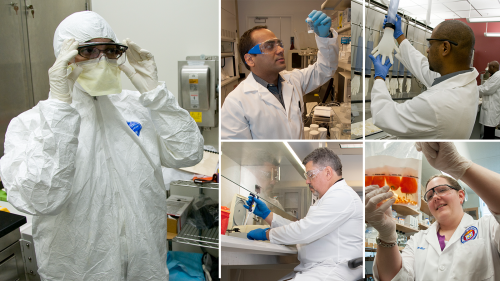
(12, 265)
(260, 259)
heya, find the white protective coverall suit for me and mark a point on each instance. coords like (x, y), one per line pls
(93, 185)
(327, 237)
(446, 110)
(490, 109)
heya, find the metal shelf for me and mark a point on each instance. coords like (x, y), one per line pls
(209, 185)
(207, 238)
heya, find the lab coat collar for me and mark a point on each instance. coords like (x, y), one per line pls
(456, 81)
(431, 233)
(251, 85)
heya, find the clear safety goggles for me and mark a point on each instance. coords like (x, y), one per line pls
(440, 190)
(266, 47)
(112, 51)
(441, 40)
(313, 173)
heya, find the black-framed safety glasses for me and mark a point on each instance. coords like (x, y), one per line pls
(94, 50)
(440, 189)
(442, 40)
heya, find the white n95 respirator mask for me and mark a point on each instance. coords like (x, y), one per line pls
(100, 76)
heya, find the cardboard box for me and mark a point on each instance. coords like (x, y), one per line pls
(177, 208)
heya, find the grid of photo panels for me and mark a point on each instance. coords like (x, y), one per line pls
(242, 140)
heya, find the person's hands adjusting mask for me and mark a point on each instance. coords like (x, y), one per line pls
(143, 73)
(61, 83)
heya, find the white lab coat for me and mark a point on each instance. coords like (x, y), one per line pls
(251, 111)
(476, 259)
(94, 187)
(445, 111)
(490, 109)
(327, 237)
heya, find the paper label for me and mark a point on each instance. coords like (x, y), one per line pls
(197, 116)
(193, 91)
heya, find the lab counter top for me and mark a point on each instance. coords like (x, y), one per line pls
(10, 222)
(240, 251)
(26, 228)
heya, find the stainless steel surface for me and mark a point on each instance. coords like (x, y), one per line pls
(16, 95)
(41, 28)
(10, 239)
(11, 263)
(196, 185)
(26, 40)
(29, 257)
(210, 116)
(207, 238)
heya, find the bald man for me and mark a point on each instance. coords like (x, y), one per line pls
(448, 108)
(490, 109)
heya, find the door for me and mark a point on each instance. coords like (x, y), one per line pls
(41, 27)
(26, 41)
(15, 90)
(280, 26)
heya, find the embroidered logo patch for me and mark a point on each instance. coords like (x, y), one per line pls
(469, 234)
(135, 126)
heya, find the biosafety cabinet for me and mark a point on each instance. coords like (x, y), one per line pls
(198, 87)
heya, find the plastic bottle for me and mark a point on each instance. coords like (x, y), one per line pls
(393, 10)
(291, 45)
(310, 26)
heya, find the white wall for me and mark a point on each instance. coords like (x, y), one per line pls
(170, 29)
(485, 154)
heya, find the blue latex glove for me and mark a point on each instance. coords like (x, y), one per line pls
(258, 234)
(397, 29)
(261, 209)
(381, 70)
(321, 22)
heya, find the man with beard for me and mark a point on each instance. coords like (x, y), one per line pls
(330, 234)
(448, 108)
(269, 104)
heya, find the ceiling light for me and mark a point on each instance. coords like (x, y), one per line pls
(492, 34)
(484, 19)
(351, 145)
(294, 155)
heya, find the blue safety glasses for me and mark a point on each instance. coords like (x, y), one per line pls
(266, 47)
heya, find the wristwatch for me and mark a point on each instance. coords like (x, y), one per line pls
(383, 244)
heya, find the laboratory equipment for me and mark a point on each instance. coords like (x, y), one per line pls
(198, 82)
(357, 67)
(11, 257)
(397, 165)
(387, 45)
(310, 26)
(401, 77)
(306, 132)
(368, 65)
(239, 216)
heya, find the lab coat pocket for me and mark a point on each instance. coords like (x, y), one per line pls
(473, 260)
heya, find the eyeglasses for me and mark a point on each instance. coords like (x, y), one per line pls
(93, 50)
(443, 40)
(440, 189)
(266, 47)
(313, 173)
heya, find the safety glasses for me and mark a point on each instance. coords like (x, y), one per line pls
(442, 40)
(266, 47)
(313, 173)
(440, 190)
(94, 50)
